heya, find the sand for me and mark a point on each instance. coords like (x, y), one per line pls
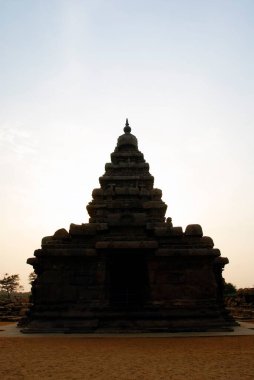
(198, 358)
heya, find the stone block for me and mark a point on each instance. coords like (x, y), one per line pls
(177, 231)
(61, 234)
(206, 241)
(194, 230)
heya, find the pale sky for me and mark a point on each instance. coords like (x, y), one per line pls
(71, 71)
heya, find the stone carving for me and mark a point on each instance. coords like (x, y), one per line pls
(129, 268)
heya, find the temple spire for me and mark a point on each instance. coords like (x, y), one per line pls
(127, 128)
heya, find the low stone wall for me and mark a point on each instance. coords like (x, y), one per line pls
(241, 305)
(12, 311)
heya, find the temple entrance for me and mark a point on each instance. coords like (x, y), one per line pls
(128, 280)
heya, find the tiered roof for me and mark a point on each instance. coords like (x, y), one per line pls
(127, 195)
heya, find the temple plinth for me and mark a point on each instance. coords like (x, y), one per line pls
(128, 269)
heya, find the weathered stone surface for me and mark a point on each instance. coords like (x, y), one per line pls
(127, 244)
(129, 268)
(61, 234)
(206, 241)
(194, 230)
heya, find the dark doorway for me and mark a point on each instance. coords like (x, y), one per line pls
(128, 280)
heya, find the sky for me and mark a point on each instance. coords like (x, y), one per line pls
(71, 71)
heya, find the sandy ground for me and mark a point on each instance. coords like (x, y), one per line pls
(198, 358)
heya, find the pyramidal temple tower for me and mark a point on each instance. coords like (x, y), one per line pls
(127, 269)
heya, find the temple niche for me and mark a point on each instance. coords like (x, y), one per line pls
(128, 269)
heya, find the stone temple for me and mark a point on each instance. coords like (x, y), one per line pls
(128, 269)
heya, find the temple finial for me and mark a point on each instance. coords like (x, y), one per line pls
(127, 128)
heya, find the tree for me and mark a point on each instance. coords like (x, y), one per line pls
(230, 289)
(10, 284)
(32, 276)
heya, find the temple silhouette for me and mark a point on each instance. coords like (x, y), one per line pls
(128, 269)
